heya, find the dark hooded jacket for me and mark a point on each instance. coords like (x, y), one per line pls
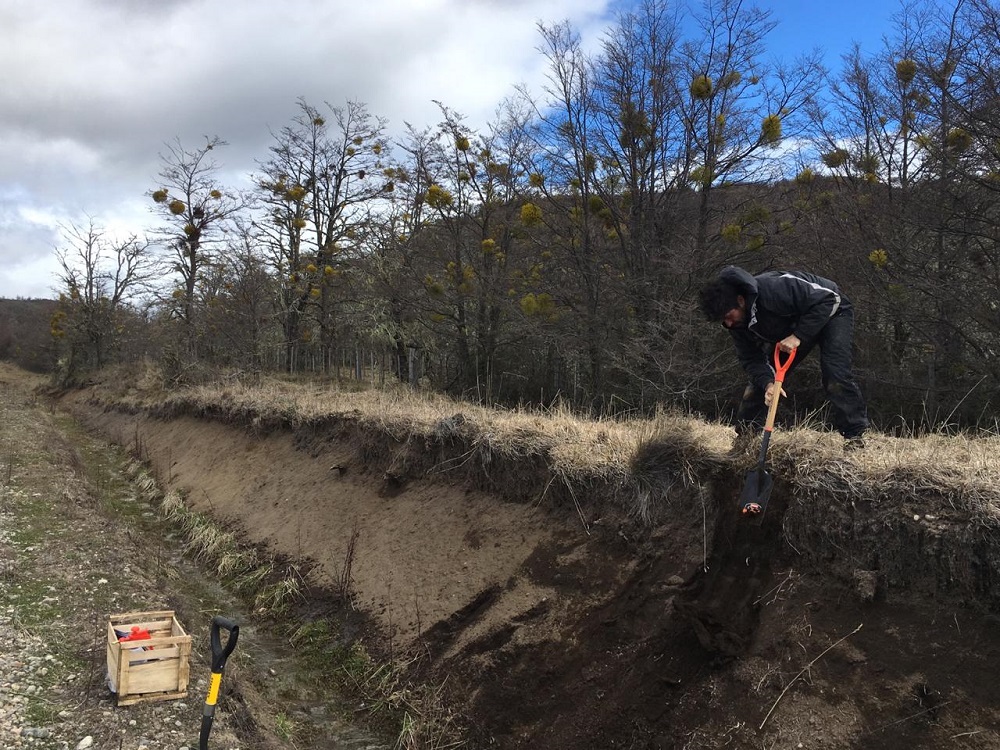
(780, 303)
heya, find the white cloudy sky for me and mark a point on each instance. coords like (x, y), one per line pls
(91, 91)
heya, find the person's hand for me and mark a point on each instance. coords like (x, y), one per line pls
(788, 344)
(769, 394)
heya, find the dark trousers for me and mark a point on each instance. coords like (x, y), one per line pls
(850, 416)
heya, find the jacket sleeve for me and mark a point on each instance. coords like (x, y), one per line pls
(751, 355)
(814, 300)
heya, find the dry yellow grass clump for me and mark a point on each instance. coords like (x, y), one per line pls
(961, 470)
(575, 444)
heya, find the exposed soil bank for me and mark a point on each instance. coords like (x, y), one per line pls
(81, 538)
(554, 621)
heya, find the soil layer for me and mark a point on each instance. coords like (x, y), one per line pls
(554, 621)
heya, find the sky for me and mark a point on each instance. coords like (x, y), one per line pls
(93, 92)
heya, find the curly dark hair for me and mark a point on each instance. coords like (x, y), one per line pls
(718, 298)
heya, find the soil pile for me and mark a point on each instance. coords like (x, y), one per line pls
(557, 615)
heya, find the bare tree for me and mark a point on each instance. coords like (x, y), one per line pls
(739, 110)
(100, 277)
(473, 253)
(241, 320)
(195, 209)
(639, 135)
(315, 187)
(567, 215)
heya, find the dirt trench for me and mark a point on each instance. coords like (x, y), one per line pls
(553, 621)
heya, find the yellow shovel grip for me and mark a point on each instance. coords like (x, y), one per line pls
(213, 689)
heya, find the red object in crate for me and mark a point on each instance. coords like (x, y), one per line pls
(136, 634)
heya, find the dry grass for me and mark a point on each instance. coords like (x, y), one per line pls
(271, 585)
(645, 459)
(427, 722)
(576, 446)
(961, 471)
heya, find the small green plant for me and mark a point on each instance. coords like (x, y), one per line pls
(41, 714)
(284, 726)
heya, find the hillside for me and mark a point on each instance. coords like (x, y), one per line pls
(25, 336)
(571, 584)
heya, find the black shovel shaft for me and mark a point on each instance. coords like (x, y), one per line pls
(206, 729)
(764, 441)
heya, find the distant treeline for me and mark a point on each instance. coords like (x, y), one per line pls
(556, 253)
(24, 333)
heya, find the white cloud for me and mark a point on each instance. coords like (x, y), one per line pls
(27, 240)
(93, 89)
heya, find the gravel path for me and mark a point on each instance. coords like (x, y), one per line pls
(81, 537)
(64, 566)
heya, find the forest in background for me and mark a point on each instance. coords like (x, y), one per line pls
(556, 253)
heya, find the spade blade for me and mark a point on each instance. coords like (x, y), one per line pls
(756, 492)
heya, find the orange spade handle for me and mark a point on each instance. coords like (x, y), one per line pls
(780, 368)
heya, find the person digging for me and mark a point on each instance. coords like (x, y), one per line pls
(796, 311)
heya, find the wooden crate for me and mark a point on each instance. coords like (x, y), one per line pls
(160, 670)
